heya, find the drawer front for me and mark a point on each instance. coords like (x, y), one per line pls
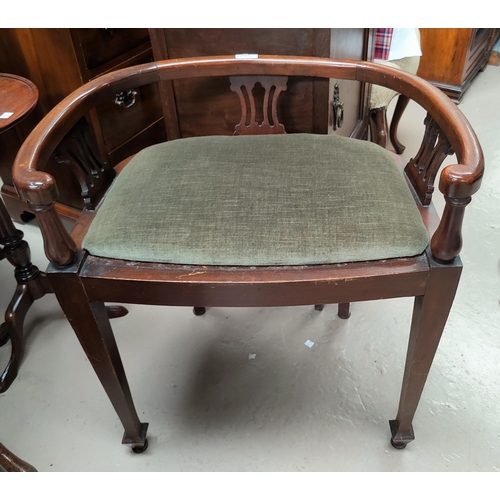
(121, 123)
(477, 50)
(101, 45)
(154, 134)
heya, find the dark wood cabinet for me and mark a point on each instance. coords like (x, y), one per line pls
(58, 61)
(452, 57)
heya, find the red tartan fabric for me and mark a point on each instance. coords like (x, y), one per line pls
(383, 37)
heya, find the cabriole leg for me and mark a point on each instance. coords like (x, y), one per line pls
(13, 329)
(401, 105)
(31, 285)
(91, 324)
(430, 313)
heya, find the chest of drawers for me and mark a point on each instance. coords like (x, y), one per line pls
(58, 61)
(452, 57)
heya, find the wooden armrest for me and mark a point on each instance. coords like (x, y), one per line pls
(41, 143)
(461, 181)
(39, 188)
(458, 182)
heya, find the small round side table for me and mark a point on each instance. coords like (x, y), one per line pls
(18, 97)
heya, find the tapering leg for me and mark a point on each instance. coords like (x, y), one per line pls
(13, 327)
(430, 313)
(378, 126)
(401, 105)
(11, 463)
(319, 307)
(91, 324)
(344, 310)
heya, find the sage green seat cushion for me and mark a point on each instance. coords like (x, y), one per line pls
(259, 200)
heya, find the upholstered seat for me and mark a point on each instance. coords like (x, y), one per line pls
(259, 200)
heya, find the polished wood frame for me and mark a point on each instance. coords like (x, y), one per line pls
(82, 283)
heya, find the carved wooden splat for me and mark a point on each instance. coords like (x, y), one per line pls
(422, 169)
(245, 86)
(78, 151)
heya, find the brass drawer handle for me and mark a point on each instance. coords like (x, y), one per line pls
(338, 108)
(126, 99)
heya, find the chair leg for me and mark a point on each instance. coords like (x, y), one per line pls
(430, 313)
(344, 310)
(4, 335)
(343, 313)
(378, 126)
(91, 324)
(401, 105)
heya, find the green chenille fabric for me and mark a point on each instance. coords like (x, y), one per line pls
(257, 201)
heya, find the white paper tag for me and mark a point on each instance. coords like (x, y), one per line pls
(309, 343)
(246, 56)
(6, 114)
(404, 43)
